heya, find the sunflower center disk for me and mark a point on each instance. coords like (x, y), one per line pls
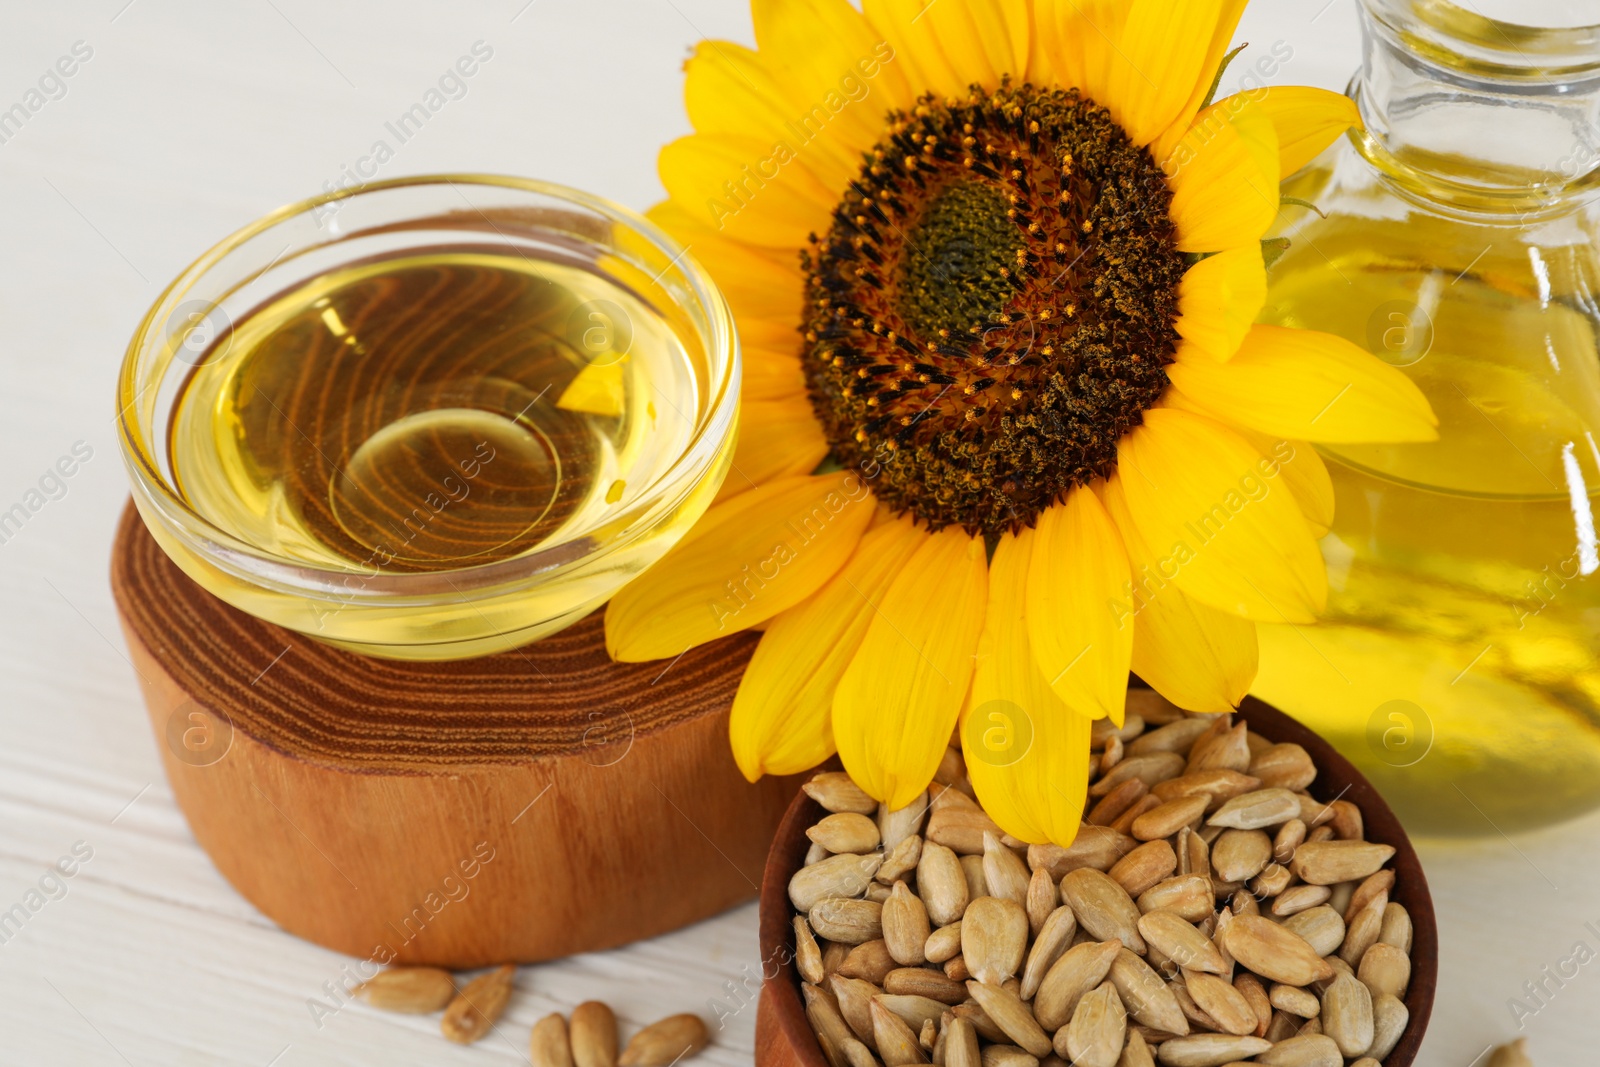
(993, 306)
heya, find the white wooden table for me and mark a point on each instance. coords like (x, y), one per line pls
(189, 119)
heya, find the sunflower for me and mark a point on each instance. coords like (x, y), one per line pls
(1008, 428)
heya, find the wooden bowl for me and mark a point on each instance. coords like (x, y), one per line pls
(516, 807)
(784, 1037)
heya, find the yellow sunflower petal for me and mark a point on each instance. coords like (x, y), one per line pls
(1224, 177)
(778, 439)
(982, 39)
(1195, 656)
(1307, 120)
(782, 720)
(1309, 386)
(755, 285)
(1165, 62)
(1228, 15)
(747, 560)
(1303, 472)
(1196, 491)
(1078, 40)
(838, 71)
(770, 375)
(730, 185)
(899, 699)
(1219, 299)
(1026, 751)
(1077, 572)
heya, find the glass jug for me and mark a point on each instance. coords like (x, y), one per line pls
(1457, 662)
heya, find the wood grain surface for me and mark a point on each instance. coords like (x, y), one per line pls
(513, 807)
(784, 1037)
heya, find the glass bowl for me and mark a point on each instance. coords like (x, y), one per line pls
(477, 604)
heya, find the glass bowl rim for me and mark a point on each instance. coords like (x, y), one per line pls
(257, 567)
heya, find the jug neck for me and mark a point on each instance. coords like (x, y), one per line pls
(1482, 114)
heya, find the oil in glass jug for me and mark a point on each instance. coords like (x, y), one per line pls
(1458, 663)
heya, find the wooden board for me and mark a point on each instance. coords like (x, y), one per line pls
(784, 1037)
(523, 806)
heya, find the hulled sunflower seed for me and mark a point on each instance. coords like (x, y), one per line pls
(1145, 996)
(1389, 1019)
(1274, 952)
(897, 825)
(1097, 1032)
(901, 861)
(895, 1041)
(1012, 1016)
(1180, 942)
(548, 1045)
(837, 793)
(1303, 1050)
(1329, 862)
(1051, 942)
(417, 990)
(1080, 969)
(807, 954)
(594, 1035)
(1347, 1016)
(836, 876)
(1240, 855)
(478, 1006)
(944, 944)
(1003, 872)
(1210, 1050)
(1285, 766)
(905, 926)
(1144, 867)
(1103, 907)
(1218, 999)
(1257, 810)
(845, 832)
(851, 922)
(922, 982)
(994, 935)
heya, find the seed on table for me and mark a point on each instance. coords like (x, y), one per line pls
(593, 1035)
(548, 1045)
(1512, 1055)
(416, 990)
(1144, 867)
(1003, 871)
(478, 1006)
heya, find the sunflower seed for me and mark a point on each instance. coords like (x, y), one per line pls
(1136, 1053)
(1322, 929)
(952, 768)
(1123, 823)
(1257, 810)
(922, 982)
(972, 871)
(1255, 994)
(1217, 786)
(1304, 1050)
(1042, 898)
(1151, 769)
(941, 883)
(807, 956)
(837, 793)
(1300, 898)
(905, 926)
(869, 961)
(409, 989)
(944, 944)
(837, 876)
(1210, 1050)
(1240, 855)
(478, 1006)
(1347, 1016)
(1389, 1019)
(1012, 1016)
(1176, 737)
(1188, 895)
(1099, 1026)
(1286, 766)
(1116, 803)
(1080, 969)
(1098, 847)
(1218, 999)
(1180, 942)
(854, 997)
(961, 1045)
(994, 934)
(895, 826)
(1144, 867)
(851, 922)
(1347, 822)
(1003, 872)
(959, 824)
(1385, 969)
(1369, 890)
(1328, 862)
(1295, 1001)
(1103, 908)
(1052, 940)
(1290, 836)
(1272, 951)
(1145, 996)
(914, 1010)
(895, 1041)
(1396, 927)
(1168, 818)
(594, 1035)
(1008, 1056)
(980, 1021)
(1362, 932)
(1272, 881)
(956, 969)
(1227, 750)
(845, 832)
(900, 861)
(548, 1045)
